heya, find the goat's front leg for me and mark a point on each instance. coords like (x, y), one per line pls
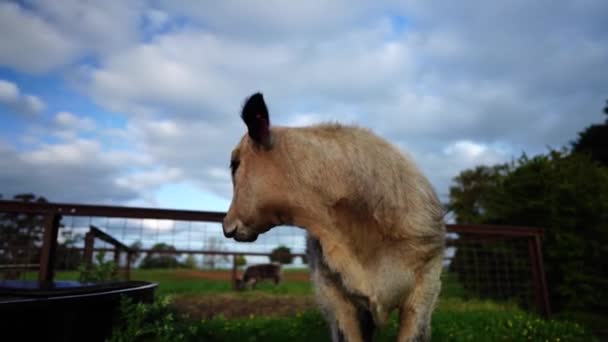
(341, 314)
(415, 313)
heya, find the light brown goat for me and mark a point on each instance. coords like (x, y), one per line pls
(375, 226)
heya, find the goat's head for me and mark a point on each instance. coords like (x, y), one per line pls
(258, 176)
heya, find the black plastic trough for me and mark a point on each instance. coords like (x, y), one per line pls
(64, 310)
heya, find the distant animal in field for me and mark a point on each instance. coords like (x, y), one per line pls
(375, 226)
(256, 273)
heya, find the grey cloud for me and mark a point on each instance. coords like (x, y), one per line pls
(26, 37)
(519, 74)
(276, 20)
(76, 180)
(98, 27)
(15, 100)
(80, 170)
(200, 149)
(64, 31)
(546, 56)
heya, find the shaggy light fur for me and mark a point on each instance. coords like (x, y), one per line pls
(374, 222)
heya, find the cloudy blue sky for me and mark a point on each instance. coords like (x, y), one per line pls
(137, 102)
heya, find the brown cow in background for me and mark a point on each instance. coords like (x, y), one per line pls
(375, 224)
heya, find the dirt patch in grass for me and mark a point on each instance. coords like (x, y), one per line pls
(235, 306)
(227, 275)
(208, 275)
(296, 276)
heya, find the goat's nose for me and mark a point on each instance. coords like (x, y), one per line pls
(229, 229)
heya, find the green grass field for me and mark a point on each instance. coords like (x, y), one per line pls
(178, 282)
(455, 319)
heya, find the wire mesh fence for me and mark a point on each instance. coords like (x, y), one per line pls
(500, 263)
(172, 241)
(497, 268)
(20, 243)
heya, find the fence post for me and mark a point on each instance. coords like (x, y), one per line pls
(541, 292)
(234, 269)
(128, 267)
(89, 243)
(117, 253)
(46, 272)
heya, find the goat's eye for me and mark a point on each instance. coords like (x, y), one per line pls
(234, 164)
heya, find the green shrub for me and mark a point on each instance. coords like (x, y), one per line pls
(145, 322)
(281, 254)
(190, 262)
(161, 255)
(100, 271)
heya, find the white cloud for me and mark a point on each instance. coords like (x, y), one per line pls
(158, 225)
(9, 93)
(276, 19)
(79, 169)
(33, 104)
(99, 27)
(419, 86)
(305, 119)
(457, 84)
(441, 166)
(68, 120)
(11, 96)
(470, 153)
(143, 180)
(341, 114)
(75, 153)
(156, 19)
(164, 129)
(200, 149)
(69, 126)
(29, 43)
(65, 172)
(43, 36)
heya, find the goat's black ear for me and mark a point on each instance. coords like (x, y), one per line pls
(255, 116)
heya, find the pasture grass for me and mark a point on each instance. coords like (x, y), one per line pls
(454, 320)
(178, 282)
(181, 281)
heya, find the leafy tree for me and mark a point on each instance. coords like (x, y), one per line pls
(190, 262)
(281, 254)
(469, 191)
(21, 234)
(567, 194)
(241, 260)
(162, 255)
(21, 237)
(594, 140)
(136, 247)
(67, 257)
(211, 260)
